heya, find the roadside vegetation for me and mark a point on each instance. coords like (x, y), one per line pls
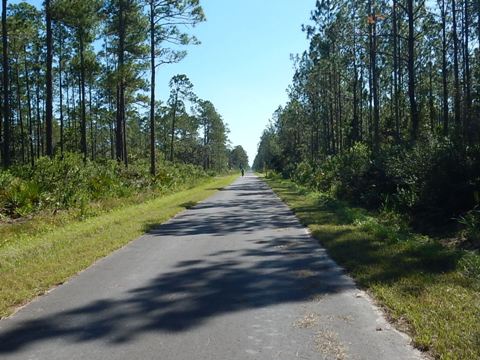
(90, 155)
(378, 149)
(428, 289)
(44, 254)
(56, 185)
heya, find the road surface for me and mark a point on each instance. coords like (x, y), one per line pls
(234, 277)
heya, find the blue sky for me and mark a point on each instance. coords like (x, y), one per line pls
(243, 64)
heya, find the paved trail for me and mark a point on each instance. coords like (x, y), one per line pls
(235, 277)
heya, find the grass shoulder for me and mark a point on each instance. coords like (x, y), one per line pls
(43, 257)
(429, 290)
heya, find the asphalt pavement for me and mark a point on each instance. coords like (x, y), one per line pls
(234, 277)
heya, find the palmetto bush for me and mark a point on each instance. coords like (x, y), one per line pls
(438, 181)
(70, 183)
(431, 182)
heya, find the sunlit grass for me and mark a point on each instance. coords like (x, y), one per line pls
(41, 257)
(421, 283)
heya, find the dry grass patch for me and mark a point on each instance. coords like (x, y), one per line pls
(327, 343)
(308, 321)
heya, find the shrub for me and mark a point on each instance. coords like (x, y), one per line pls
(436, 180)
(354, 175)
(20, 198)
(360, 177)
(304, 173)
(469, 264)
(471, 224)
(72, 183)
(432, 182)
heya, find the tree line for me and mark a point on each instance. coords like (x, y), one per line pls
(397, 79)
(75, 79)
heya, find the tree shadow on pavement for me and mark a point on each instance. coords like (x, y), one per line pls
(253, 208)
(272, 269)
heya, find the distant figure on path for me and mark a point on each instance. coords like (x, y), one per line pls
(242, 170)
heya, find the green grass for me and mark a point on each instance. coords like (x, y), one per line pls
(40, 258)
(423, 285)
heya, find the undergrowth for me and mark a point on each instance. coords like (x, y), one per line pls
(69, 183)
(429, 289)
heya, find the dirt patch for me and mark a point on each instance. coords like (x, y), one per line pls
(308, 321)
(327, 343)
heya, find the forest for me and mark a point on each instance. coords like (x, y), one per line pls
(377, 151)
(81, 119)
(383, 111)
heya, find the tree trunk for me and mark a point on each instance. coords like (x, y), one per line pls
(360, 110)
(125, 155)
(49, 92)
(430, 98)
(110, 126)
(83, 120)
(38, 115)
(468, 99)
(74, 117)
(396, 104)
(30, 118)
(19, 106)
(332, 113)
(120, 114)
(152, 88)
(90, 114)
(411, 72)
(67, 100)
(95, 128)
(340, 112)
(455, 70)
(444, 69)
(60, 87)
(373, 62)
(6, 88)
